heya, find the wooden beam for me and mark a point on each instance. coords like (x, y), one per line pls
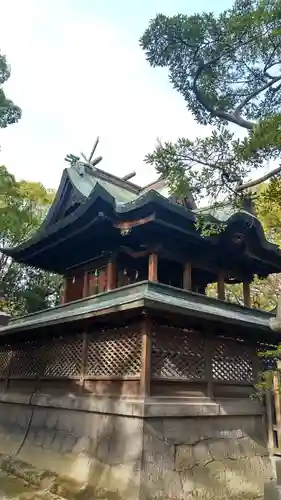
(126, 225)
(221, 287)
(133, 254)
(129, 176)
(187, 282)
(111, 275)
(152, 267)
(247, 293)
(145, 374)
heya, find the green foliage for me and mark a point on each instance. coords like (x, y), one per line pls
(23, 205)
(228, 70)
(209, 166)
(269, 209)
(208, 229)
(9, 112)
(26, 290)
(220, 64)
(264, 142)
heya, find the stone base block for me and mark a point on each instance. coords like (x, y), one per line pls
(272, 491)
(131, 457)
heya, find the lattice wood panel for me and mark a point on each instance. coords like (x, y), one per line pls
(114, 353)
(5, 359)
(178, 354)
(62, 358)
(25, 361)
(232, 361)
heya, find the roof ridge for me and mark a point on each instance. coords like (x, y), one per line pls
(153, 184)
(107, 176)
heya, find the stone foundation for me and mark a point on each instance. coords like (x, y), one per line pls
(136, 449)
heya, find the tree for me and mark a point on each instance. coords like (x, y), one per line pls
(228, 70)
(23, 205)
(9, 112)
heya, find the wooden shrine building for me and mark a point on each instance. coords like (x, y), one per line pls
(135, 329)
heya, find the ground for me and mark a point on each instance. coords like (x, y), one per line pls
(14, 489)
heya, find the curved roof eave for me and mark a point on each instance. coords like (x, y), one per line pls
(98, 192)
(19, 252)
(59, 200)
(254, 224)
(121, 209)
(159, 200)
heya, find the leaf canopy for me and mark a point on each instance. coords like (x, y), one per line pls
(227, 67)
(23, 206)
(9, 112)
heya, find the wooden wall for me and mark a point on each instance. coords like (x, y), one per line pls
(140, 359)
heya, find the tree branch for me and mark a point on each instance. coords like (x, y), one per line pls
(237, 120)
(276, 89)
(234, 117)
(255, 182)
(269, 63)
(214, 166)
(238, 109)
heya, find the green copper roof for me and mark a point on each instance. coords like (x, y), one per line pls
(148, 295)
(90, 205)
(86, 183)
(122, 191)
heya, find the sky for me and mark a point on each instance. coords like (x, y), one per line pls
(77, 72)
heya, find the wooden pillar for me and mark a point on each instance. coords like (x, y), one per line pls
(64, 290)
(221, 287)
(145, 374)
(152, 267)
(85, 284)
(276, 392)
(84, 360)
(8, 370)
(208, 354)
(269, 420)
(247, 293)
(187, 283)
(111, 275)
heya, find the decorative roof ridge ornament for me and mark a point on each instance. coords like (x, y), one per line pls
(89, 161)
(88, 165)
(275, 323)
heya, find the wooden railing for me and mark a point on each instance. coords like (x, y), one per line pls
(153, 356)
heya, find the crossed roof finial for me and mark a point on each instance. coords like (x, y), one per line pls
(88, 161)
(92, 163)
